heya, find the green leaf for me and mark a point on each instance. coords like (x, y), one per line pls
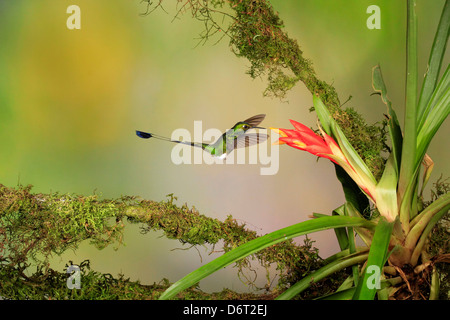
(352, 246)
(439, 112)
(347, 284)
(423, 224)
(260, 243)
(323, 114)
(383, 293)
(352, 192)
(434, 63)
(323, 272)
(386, 191)
(347, 293)
(362, 175)
(428, 164)
(395, 131)
(352, 156)
(434, 288)
(330, 126)
(406, 209)
(341, 233)
(426, 232)
(345, 253)
(438, 94)
(408, 164)
(365, 234)
(367, 288)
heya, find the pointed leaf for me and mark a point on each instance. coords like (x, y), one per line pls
(322, 273)
(367, 288)
(365, 234)
(440, 111)
(323, 114)
(435, 61)
(428, 164)
(341, 233)
(386, 193)
(352, 192)
(265, 241)
(395, 132)
(352, 246)
(363, 176)
(409, 153)
(352, 156)
(436, 96)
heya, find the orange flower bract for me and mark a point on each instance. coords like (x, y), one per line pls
(303, 138)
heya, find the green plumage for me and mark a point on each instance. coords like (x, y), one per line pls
(236, 137)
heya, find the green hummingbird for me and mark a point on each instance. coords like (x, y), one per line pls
(236, 137)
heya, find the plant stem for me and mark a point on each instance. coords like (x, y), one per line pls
(410, 132)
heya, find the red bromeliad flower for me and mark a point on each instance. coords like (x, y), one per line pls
(304, 138)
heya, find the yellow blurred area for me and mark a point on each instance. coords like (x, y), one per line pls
(73, 84)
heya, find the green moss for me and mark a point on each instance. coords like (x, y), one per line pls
(33, 224)
(34, 227)
(439, 241)
(51, 285)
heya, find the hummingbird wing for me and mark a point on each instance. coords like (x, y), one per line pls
(255, 120)
(249, 139)
(222, 148)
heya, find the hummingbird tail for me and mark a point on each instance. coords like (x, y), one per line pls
(143, 135)
(146, 135)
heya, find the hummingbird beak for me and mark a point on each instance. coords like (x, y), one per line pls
(258, 128)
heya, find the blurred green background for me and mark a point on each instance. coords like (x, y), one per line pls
(70, 101)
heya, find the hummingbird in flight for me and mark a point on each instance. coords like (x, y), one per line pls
(236, 137)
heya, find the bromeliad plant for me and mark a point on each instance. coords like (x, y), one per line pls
(396, 237)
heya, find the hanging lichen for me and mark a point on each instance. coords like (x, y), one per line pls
(256, 33)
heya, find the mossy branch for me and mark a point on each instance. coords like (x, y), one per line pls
(33, 227)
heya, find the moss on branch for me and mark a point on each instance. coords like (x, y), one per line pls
(36, 226)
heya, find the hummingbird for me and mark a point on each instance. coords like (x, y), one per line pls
(236, 137)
